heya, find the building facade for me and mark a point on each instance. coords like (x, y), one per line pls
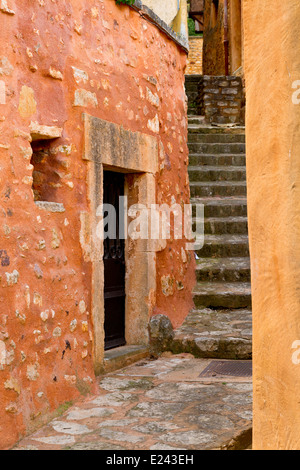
(92, 106)
(223, 37)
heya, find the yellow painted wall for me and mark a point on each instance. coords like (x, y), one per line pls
(272, 65)
(180, 24)
(172, 12)
(165, 9)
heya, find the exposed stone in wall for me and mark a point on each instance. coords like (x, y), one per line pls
(27, 103)
(222, 99)
(38, 132)
(84, 98)
(5, 67)
(5, 8)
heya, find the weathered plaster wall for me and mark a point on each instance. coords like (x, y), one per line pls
(57, 61)
(272, 64)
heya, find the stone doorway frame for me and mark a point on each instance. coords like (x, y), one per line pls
(109, 146)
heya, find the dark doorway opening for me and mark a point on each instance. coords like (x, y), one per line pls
(114, 262)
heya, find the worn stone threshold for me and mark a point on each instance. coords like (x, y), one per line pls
(123, 356)
(218, 334)
(198, 122)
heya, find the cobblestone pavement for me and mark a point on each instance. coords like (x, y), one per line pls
(154, 405)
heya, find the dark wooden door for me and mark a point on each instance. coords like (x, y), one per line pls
(114, 267)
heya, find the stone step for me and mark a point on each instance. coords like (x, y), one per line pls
(192, 93)
(191, 83)
(192, 80)
(222, 334)
(192, 106)
(214, 173)
(217, 148)
(223, 270)
(193, 77)
(197, 124)
(192, 89)
(193, 110)
(213, 295)
(224, 246)
(218, 188)
(221, 327)
(196, 120)
(199, 159)
(225, 207)
(195, 137)
(224, 225)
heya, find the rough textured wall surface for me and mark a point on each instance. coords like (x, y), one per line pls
(195, 58)
(272, 64)
(213, 37)
(59, 59)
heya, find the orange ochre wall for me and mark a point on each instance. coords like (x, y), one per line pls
(272, 69)
(213, 40)
(115, 62)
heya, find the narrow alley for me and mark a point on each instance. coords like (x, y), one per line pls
(163, 404)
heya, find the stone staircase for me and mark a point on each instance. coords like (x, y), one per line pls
(220, 326)
(192, 91)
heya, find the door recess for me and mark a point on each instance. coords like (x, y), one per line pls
(114, 263)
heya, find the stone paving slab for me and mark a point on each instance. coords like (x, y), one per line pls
(154, 405)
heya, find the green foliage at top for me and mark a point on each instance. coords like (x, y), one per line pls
(192, 31)
(125, 2)
(191, 25)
